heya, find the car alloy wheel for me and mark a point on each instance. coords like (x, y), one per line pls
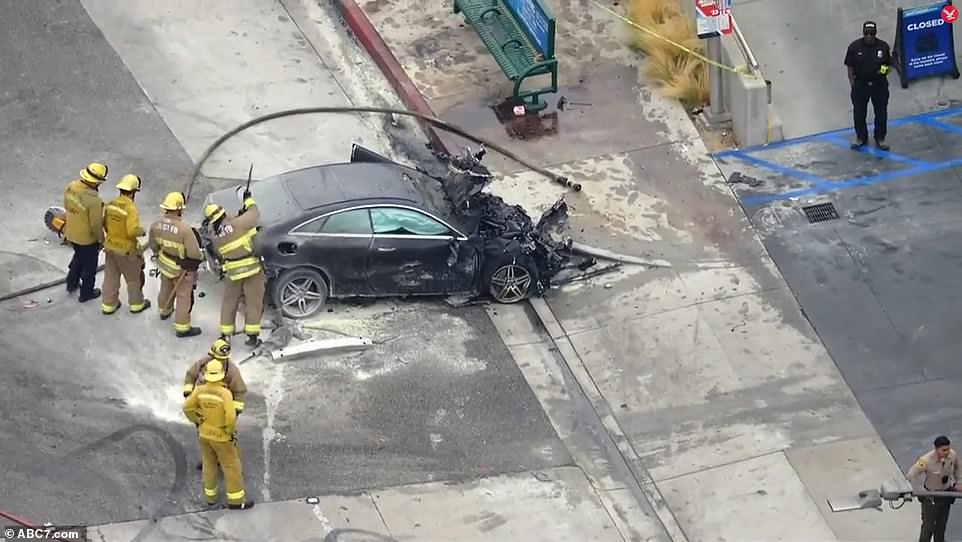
(302, 296)
(510, 283)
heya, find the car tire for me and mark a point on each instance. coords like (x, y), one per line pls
(300, 293)
(510, 280)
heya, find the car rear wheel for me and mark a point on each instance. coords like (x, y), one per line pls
(511, 280)
(300, 293)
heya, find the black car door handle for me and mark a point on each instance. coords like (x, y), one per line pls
(386, 249)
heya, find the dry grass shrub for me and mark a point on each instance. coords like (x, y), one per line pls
(680, 75)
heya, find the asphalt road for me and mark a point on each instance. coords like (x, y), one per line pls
(93, 431)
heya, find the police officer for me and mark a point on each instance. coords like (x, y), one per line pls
(234, 244)
(938, 470)
(868, 60)
(123, 253)
(176, 248)
(84, 229)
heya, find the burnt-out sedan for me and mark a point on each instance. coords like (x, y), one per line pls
(374, 227)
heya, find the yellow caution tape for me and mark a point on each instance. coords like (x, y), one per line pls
(696, 54)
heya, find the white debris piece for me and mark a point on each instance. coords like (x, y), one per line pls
(325, 346)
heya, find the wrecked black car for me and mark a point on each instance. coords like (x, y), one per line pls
(374, 227)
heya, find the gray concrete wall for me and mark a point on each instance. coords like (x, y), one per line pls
(754, 119)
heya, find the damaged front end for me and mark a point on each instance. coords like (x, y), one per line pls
(507, 229)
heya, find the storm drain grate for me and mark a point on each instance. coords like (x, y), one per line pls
(820, 212)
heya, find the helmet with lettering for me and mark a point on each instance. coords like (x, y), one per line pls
(220, 349)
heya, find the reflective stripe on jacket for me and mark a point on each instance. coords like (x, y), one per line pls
(232, 378)
(212, 407)
(173, 241)
(121, 225)
(234, 243)
(84, 214)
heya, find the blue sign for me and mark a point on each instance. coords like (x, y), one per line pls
(537, 23)
(924, 45)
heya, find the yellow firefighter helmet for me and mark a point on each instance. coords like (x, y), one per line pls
(94, 173)
(214, 212)
(174, 201)
(213, 371)
(220, 349)
(129, 183)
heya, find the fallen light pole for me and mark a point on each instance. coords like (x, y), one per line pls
(323, 346)
(892, 490)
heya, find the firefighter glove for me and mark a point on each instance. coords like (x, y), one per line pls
(190, 264)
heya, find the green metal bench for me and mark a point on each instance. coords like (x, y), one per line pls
(520, 35)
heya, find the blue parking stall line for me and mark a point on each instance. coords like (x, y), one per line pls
(892, 123)
(778, 168)
(941, 125)
(878, 153)
(830, 186)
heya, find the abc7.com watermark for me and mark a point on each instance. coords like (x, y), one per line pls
(18, 533)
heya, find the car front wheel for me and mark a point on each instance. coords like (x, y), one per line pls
(300, 293)
(511, 280)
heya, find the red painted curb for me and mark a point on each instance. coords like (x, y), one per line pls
(375, 46)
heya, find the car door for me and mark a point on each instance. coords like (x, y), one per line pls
(339, 244)
(409, 252)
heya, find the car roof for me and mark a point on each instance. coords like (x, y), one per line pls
(321, 186)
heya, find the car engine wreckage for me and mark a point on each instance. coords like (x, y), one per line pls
(546, 242)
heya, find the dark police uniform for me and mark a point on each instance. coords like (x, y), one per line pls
(867, 61)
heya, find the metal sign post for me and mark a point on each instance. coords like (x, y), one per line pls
(713, 20)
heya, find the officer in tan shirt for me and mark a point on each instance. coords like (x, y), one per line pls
(938, 470)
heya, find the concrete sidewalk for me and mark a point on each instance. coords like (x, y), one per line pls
(547, 506)
(732, 418)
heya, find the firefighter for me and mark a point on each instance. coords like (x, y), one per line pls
(233, 242)
(211, 407)
(84, 229)
(176, 248)
(220, 351)
(232, 373)
(123, 253)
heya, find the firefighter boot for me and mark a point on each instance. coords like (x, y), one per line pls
(189, 332)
